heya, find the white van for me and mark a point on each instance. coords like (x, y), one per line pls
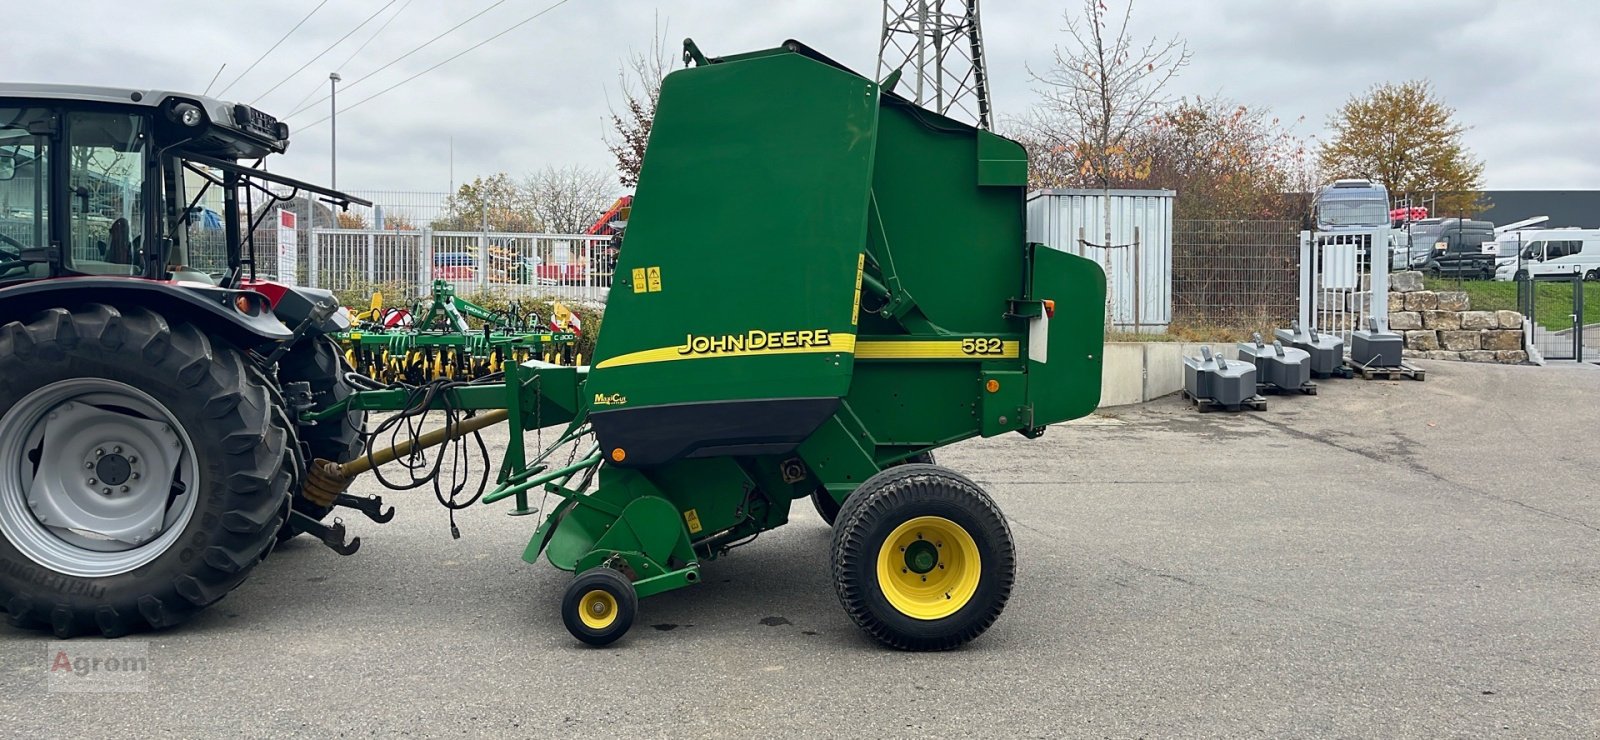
(1554, 252)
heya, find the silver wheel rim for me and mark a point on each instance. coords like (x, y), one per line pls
(97, 478)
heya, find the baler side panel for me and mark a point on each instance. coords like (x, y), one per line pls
(1067, 385)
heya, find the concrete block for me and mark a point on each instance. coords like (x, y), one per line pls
(1508, 319)
(1442, 320)
(1163, 369)
(1397, 302)
(1511, 357)
(1122, 374)
(1460, 341)
(1479, 320)
(1405, 321)
(1502, 339)
(1425, 300)
(1480, 355)
(1408, 281)
(1454, 300)
(1422, 340)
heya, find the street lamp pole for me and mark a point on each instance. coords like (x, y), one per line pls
(333, 128)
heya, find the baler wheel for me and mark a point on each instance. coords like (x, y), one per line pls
(828, 509)
(599, 606)
(922, 558)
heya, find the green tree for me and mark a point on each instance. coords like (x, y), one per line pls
(1404, 136)
(497, 203)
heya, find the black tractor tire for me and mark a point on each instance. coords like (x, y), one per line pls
(239, 444)
(828, 508)
(319, 363)
(971, 537)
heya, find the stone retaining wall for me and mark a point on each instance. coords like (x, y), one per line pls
(1441, 325)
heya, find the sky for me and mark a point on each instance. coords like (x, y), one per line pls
(1521, 74)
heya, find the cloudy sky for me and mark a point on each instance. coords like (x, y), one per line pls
(1523, 75)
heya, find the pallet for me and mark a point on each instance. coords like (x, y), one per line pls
(1309, 389)
(1344, 372)
(1390, 373)
(1205, 405)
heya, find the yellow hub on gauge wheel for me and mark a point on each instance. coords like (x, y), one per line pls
(598, 609)
(929, 567)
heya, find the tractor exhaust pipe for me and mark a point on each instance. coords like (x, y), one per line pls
(327, 479)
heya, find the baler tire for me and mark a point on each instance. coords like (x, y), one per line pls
(895, 505)
(604, 587)
(828, 508)
(234, 432)
(321, 364)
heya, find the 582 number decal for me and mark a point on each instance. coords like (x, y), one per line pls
(982, 346)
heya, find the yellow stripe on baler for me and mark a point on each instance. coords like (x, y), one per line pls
(938, 349)
(845, 343)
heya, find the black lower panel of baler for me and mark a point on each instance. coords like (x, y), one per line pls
(653, 435)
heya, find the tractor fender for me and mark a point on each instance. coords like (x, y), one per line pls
(217, 311)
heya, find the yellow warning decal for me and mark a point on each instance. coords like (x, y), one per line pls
(692, 519)
(638, 280)
(861, 264)
(941, 349)
(752, 343)
(654, 279)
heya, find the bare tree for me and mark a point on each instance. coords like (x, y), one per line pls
(640, 81)
(568, 199)
(1102, 87)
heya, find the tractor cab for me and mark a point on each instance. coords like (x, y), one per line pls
(137, 183)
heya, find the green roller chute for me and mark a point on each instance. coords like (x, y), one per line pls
(822, 283)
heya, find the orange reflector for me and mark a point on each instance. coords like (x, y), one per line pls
(243, 303)
(618, 455)
(1049, 308)
(992, 385)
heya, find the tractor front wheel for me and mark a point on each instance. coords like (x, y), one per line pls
(599, 606)
(142, 470)
(922, 558)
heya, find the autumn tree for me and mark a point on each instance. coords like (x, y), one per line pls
(1102, 86)
(566, 200)
(1225, 160)
(1405, 137)
(640, 81)
(352, 220)
(495, 203)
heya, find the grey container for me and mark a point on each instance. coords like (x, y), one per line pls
(1212, 379)
(1326, 350)
(1374, 347)
(1278, 367)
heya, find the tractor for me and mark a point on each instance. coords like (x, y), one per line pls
(151, 451)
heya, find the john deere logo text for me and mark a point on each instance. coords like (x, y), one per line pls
(754, 340)
(609, 399)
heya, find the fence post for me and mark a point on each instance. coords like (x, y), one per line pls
(1379, 287)
(1307, 266)
(424, 261)
(311, 260)
(372, 258)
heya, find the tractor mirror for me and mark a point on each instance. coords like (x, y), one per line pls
(8, 166)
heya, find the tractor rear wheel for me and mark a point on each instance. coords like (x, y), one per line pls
(320, 364)
(142, 470)
(599, 606)
(922, 558)
(828, 508)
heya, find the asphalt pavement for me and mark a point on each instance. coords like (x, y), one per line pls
(1385, 559)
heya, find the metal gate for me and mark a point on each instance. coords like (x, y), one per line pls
(1339, 289)
(1555, 306)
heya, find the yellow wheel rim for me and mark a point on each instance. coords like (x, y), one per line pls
(929, 567)
(598, 609)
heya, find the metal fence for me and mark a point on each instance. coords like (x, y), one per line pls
(569, 267)
(1344, 280)
(1562, 315)
(1235, 274)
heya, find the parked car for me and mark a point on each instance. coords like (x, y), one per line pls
(1552, 252)
(1457, 247)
